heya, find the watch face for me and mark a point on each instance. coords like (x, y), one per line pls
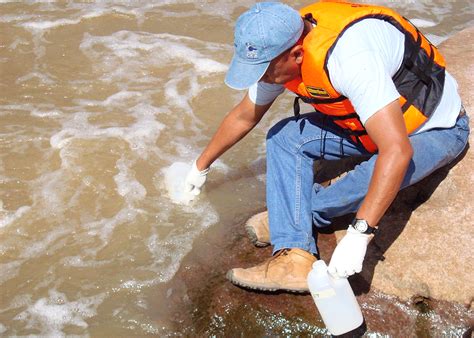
(360, 225)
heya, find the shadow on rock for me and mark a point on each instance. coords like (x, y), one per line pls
(391, 225)
(395, 220)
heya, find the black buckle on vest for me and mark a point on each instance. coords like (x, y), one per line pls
(296, 107)
(309, 17)
(312, 100)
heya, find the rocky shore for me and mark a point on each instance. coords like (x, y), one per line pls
(417, 278)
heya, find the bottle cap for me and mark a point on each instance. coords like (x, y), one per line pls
(320, 265)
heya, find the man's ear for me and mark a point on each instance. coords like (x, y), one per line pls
(297, 53)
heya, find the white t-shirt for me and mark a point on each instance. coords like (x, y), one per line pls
(361, 67)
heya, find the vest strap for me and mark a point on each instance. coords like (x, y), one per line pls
(344, 117)
(348, 132)
(309, 17)
(313, 100)
(296, 107)
(410, 62)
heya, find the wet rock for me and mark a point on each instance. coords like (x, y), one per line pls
(203, 303)
(427, 236)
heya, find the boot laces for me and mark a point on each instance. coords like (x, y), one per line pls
(282, 252)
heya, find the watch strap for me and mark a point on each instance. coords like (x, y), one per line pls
(370, 230)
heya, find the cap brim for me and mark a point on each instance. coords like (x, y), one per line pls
(243, 75)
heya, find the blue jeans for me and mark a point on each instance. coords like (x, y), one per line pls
(295, 202)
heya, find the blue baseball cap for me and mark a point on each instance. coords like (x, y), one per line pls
(261, 34)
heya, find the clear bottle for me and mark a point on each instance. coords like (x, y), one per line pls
(334, 299)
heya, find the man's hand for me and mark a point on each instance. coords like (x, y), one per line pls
(195, 180)
(349, 254)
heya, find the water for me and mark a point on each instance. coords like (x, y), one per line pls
(98, 100)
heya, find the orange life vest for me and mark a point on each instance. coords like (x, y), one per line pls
(419, 80)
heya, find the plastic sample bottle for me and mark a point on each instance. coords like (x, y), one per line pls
(334, 299)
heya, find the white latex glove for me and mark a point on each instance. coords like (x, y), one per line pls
(195, 180)
(349, 254)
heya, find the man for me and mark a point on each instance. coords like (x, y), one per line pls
(380, 90)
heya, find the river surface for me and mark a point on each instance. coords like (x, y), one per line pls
(97, 101)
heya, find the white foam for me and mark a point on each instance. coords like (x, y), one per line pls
(173, 95)
(141, 135)
(221, 166)
(208, 66)
(21, 107)
(49, 278)
(127, 186)
(168, 252)
(105, 227)
(174, 177)
(15, 18)
(140, 50)
(52, 314)
(21, 300)
(46, 114)
(136, 66)
(17, 42)
(43, 78)
(79, 262)
(173, 235)
(49, 189)
(44, 111)
(120, 98)
(44, 25)
(135, 286)
(127, 57)
(8, 217)
(422, 23)
(436, 39)
(49, 24)
(40, 245)
(9, 270)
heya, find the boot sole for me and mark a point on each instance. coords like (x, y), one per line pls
(230, 277)
(253, 237)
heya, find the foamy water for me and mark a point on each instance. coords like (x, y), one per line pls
(103, 109)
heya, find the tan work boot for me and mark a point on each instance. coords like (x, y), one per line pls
(287, 270)
(257, 229)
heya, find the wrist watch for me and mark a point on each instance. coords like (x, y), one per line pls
(363, 227)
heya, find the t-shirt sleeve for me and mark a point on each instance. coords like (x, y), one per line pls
(365, 81)
(262, 93)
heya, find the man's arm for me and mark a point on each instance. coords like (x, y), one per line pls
(387, 130)
(238, 122)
